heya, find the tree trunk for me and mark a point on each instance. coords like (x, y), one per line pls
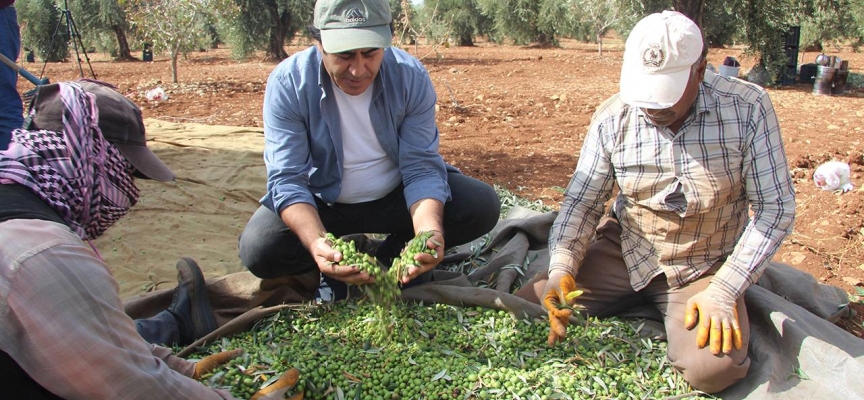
(175, 53)
(466, 40)
(123, 53)
(693, 9)
(544, 40)
(600, 44)
(278, 32)
(714, 41)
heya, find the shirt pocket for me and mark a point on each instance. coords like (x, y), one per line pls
(713, 175)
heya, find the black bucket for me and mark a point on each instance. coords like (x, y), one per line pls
(840, 78)
(808, 73)
(824, 80)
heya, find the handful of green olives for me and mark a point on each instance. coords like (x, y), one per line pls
(350, 255)
(406, 259)
(386, 286)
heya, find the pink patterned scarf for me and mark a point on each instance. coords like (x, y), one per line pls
(77, 172)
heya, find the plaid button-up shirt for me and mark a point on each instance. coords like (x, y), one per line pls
(685, 197)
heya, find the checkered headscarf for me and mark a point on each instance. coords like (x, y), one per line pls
(77, 172)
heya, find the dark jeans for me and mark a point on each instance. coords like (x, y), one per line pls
(270, 250)
(17, 384)
(161, 329)
(11, 108)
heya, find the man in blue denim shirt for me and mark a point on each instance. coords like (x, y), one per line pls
(11, 108)
(351, 146)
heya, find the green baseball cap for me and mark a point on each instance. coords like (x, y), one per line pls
(353, 24)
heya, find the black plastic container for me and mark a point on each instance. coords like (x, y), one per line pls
(807, 74)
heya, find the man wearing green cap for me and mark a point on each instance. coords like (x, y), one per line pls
(351, 146)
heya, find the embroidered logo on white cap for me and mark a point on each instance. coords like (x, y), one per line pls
(653, 56)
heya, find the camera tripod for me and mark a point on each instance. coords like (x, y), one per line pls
(74, 36)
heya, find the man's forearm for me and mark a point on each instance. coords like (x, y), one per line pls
(427, 215)
(303, 219)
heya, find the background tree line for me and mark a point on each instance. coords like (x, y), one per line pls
(250, 27)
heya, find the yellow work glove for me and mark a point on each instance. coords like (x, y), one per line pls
(213, 361)
(277, 389)
(717, 317)
(560, 286)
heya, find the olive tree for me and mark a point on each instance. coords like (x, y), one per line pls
(463, 19)
(42, 29)
(524, 21)
(95, 17)
(595, 17)
(856, 9)
(172, 26)
(829, 21)
(253, 25)
(721, 23)
(765, 22)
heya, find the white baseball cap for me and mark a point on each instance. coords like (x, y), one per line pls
(658, 55)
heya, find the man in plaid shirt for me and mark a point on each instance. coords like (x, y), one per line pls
(692, 154)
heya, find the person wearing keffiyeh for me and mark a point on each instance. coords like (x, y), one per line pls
(63, 330)
(82, 177)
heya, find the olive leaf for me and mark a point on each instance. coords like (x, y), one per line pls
(565, 301)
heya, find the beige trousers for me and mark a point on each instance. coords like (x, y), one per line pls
(607, 291)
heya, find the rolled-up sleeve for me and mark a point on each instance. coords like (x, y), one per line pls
(589, 188)
(772, 199)
(423, 171)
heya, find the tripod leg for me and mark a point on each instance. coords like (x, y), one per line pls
(70, 30)
(76, 35)
(50, 46)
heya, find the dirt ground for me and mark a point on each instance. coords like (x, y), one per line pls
(517, 116)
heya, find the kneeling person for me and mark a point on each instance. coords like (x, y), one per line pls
(351, 146)
(692, 153)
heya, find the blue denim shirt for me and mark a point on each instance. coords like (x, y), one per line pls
(303, 136)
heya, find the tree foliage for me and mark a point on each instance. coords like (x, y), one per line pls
(462, 20)
(594, 18)
(172, 26)
(42, 29)
(253, 25)
(470, 22)
(523, 21)
(104, 24)
(764, 24)
(829, 21)
(856, 9)
(179, 26)
(720, 23)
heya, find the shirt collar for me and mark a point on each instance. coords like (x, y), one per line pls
(704, 102)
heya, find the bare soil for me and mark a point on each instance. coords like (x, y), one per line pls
(517, 116)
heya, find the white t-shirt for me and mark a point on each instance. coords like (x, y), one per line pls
(367, 173)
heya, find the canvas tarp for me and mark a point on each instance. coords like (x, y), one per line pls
(796, 350)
